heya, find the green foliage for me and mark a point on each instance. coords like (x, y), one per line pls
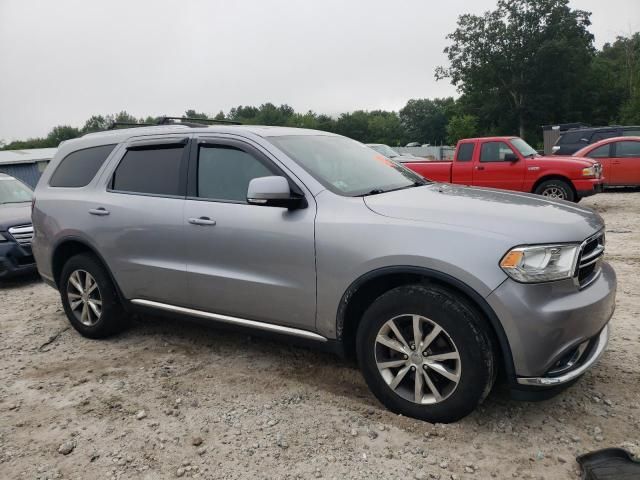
(523, 64)
(462, 126)
(425, 120)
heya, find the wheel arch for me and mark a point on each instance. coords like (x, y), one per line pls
(371, 285)
(71, 246)
(555, 176)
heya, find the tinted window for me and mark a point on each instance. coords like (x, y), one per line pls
(600, 152)
(574, 137)
(465, 152)
(604, 134)
(224, 173)
(495, 152)
(628, 149)
(154, 171)
(78, 168)
(634, 132)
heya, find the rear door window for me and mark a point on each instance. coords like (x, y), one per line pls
(627, 149)
(603, 134)
(573, 137)
(152, 171)
(465, 152)
(78, 168)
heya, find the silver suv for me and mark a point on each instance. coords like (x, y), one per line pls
(433, 287)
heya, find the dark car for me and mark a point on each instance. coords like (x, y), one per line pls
(15, 228)
(574, 139)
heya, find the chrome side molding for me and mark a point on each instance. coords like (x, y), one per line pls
(233, 320)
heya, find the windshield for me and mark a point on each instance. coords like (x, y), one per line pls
(385, 150)
(13, 191)
(346, 167)
(523, 147)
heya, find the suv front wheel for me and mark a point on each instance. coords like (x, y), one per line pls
(89, 297)
(425, 353)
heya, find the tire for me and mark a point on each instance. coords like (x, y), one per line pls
(557, 189)
(101, 315)
(463, 332)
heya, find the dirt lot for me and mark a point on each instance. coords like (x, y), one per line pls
(170, 399)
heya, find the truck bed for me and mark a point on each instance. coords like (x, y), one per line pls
(439, 171)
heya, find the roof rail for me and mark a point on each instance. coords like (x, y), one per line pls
(197, 122)
(115, 125)
(186, 121)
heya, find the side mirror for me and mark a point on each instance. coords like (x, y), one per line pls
(273, 192)
(510, 157)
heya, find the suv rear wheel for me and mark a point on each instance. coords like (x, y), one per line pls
(425, 353)
(89, 297)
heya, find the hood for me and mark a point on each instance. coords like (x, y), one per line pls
(12, 214)
(583, 161)
(522, 217)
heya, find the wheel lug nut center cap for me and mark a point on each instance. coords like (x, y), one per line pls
(416, 358)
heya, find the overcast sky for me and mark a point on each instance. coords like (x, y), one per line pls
(62, 61)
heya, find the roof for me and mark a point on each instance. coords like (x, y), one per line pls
(8, 157)
(260, 130)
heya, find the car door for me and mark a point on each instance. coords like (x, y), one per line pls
(248, 261)
(625, 164)
(498, 166)
(603, 155)
(137, 219)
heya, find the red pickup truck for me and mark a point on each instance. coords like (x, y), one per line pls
(511, 164)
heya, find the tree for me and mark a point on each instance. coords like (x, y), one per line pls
(96, 123)
(462, 126)
(60, 134)
(193, 114)
(425, 120)
(531, 56)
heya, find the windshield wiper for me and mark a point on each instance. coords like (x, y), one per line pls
(377, 191)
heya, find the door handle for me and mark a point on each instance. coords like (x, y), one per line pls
(479, 167)
(202, 221)
(100, 211)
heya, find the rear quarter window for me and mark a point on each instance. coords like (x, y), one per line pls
(78, 168)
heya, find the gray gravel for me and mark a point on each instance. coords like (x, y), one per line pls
(169, 399)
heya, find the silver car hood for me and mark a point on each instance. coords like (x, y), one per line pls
(523, 217)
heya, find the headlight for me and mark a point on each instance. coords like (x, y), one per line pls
(540, 263)
(589, 171)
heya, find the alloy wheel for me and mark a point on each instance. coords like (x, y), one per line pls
(554, 192)
(84, 297)
(417, 359)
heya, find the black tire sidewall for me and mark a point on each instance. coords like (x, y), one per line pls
(463, 326)
(112, 318)
(566, 188)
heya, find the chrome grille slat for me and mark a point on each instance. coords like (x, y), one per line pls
(591, 251)
(23, 234)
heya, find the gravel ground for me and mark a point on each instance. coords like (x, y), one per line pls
(170, 399)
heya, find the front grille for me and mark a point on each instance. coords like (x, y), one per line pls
(591, 253)
(23, 234)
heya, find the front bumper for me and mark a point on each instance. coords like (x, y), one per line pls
(15, 260)
(588, 187)
(547, 323)
(583, 363)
